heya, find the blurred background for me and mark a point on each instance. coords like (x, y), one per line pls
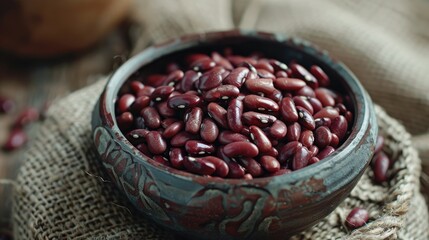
(51, 48)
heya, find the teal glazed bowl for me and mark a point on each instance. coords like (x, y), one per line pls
(213, 208)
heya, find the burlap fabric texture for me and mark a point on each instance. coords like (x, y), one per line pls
(63, 193)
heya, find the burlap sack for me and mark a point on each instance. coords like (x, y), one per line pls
(63, 193)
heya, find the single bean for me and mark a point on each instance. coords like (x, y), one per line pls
(181, 138)
(288, 110)
(335, 141)
(339, 127)
(270, 164)
(177, 156)
(16, 139)
(301, 158)
(164, 110)
(272, 152)
(209, 131)
(281, 74)
(136, 86)
(258, 119)
(211, 79)
(278, 130)
(380, 167)
(151, 117)
(199, 166)
(154, 80)
(173, 130)
(300, 72)
(125, 102)
(357, 218)
(221, 61)
(307, 138)
(189, 79)
(265, 65)
(168, 121)
(160, 159)
(235, 169)
(304, 103)
(288, 151)
(262, 73)
(341, 108)
(226, 137)
(322, 137)
(262, 85)
(218, 113)
(142, 147)
(203, 64)
(173, 78)
(379, 144)
(183, 101)
(222, 168)
(324, 97)
(306, 91)
(255, 102)
(314, 150)
(251, 166)
(276, 96)
(223, 92)
(248, 176)
(137, 135)
(313, 160)
(234, 113)
(248, 63)
(161, 93)
(327, 112)
(325, 152)
(125, 121)
(193, 120)
(315, 103)
(293, 132)
(305, 119)
(241, 149)
(320, 75)
(237, 77)
(190, 58)
(146, 91)
(349, 117)
(139, 104)
(155, 142)
(277, 65)
(260, 139)
(194, 147)
(289, 84)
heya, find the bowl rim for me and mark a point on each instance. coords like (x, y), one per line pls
(361, 100)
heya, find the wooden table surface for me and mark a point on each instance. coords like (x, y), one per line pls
(37, 82)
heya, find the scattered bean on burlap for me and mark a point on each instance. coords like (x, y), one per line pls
(62, 192)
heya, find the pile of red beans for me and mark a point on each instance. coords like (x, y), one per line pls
(233, 116)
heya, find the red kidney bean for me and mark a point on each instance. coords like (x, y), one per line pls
(151, 117)
(260, 139)
(301, 158)
(306, 91)
(164, 110)
(223, 92)
(300, 72)
(335, 140)
(380, 167)
(160, 159)
(322, 137)
(168, 121)
(222, 168)
(16, 139)
(142, 147)
(234, 114)
(341, 108)
(173, 130)
(136, 86)
(262, 85)
(357, 218)
(339, 127)
(139, 104)
(251, 166)
(293, 132)
(379, 144)
(307, 138)
(194, 147)
(189, 79)
(183, 101)
(237, 77)
(270, 164)
(262, 73)
(226, 137)
(324, 97)
(125, 121)
(154, 80)
(199, 166)
(327, 112)
(277, 65)
(177, 156)
(258, 119)
(248, 63)
(276, 96)
(349, 117)
(265, 65)
(137, 135)
(173, 78)
(190, 58)
(247, 176)
(181, 138)
(289, 84)
(322, 122)
(314, 150)
(6, 105)
(320, 75)
(241, 149)
(315, 103)
(209, 131)
(155, 142)
(235, 169)
(221, 61)
(26, 117)
(281, 74)
(203, 64)
(161, 93)
(325, 152)
(218, 113)
(254, 102)
(193, 120)
(171, 67)
(211, 79)
(282, 171)
(313, 160)
(305, 118)
(304, 103)
(273, 152)
(288, 151)
(288, 110)
(278, 130)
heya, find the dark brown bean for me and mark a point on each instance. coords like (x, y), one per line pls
(278, 130)
(277, 65)
(154, 80)
(173, 130)
(6, 105)
(125, 121)
(164, 110)
(270, 164)
(251, 166)
(211, 79)
(241, 149)
(173, 78)
(209, 131)
(304, 103)
(289, 84)
(357, 218)
(325, 152)
(226, 137)
(183, 101)
(322, 137)
(301, 158)
(193, 120)
(306, 91)
(260, 139)
(199, 166)
(222, 168)
(288, 110)
(255, 102)
(155, 142)
(146, 91)
(320, 75)
(171, 67)
(288, 151)
(262, 85)
(237, 77)
(194, 147)
(16, 139)
(300, 72)
(177, 156)
(137, 135)
(305, 118)
(161, 93)
(322, 122)
(190, 58)
(218, 113)
(380, 167)
(181, 138)
(188, 80)
(235, 169)
(151, 117)
(335, 141)
(142, 147)
(307, 138)
(379, 144)
(223, 92)
(324, 97)
(339, 127)
(258, 119)
(327, 112)
(136, 86)
(293, 132)
(26, 117)
(349, 117)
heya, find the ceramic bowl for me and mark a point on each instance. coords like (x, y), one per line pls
(212, 208)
